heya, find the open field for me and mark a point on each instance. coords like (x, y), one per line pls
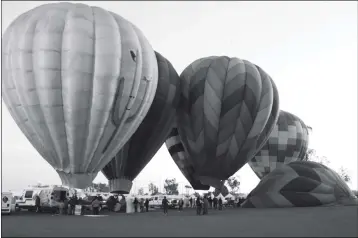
(318, 221)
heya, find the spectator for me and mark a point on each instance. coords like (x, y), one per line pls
(220, 204)
(198, 206)
(165, 204)
(95, 206)
(215, 202)
(37, 204)
(141, 205)
(135, 202)
(181, 204)
(146, 205)
(210, 200)
(206, 205)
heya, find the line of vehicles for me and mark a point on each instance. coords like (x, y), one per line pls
(52, 195)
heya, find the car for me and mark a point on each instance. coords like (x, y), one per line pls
(6, 202)
(86, 202)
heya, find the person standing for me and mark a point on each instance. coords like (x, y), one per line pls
(141, 205)
(135, 202)
(210, 200)
(165, 205)
(95, 206)
(215, 202)
(181, 204)
(198, 206)
(38, 204)
(146, 205)
(191, 202)
(206, 205)
(220, 204)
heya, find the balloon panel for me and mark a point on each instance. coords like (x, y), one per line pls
(180, 157)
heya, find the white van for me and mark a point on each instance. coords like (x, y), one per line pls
(50, 196)
(156, 201)
(6, 203)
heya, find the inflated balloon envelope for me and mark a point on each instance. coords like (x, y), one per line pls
(150, 135)
(228, 109)
(287, 143)
(78, 81)
(300, 184)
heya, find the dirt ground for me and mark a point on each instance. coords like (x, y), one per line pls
(231, 222)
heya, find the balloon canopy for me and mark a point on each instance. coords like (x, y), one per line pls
(181, 159)
(78, 80)
(300, 184)
(151, 134)
(224, 115)
(287, 143)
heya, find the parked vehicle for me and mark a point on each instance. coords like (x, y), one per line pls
(28, 198)
(86, 202)
(6, 203)
(50, 197)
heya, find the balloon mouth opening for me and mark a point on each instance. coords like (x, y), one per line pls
(77, 180)
(120, 185)
(201, 187)
(210, 181)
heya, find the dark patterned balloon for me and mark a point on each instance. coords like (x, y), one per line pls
(151, 134)
(300, 184)
(224, 117)
(181, 159)
(287, 143)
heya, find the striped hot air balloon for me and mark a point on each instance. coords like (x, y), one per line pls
(224, 117)
(151, 134)
(78, 80)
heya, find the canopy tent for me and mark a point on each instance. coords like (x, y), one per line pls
(230, 196)
(220, 196)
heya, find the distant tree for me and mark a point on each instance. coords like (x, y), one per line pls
(234, 184)
(343, 173)
(153, 189)
(141, 191)
(98, 187)
(171, 187)
(311, 155)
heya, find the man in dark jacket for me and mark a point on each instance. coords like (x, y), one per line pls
(135, 205)
(146, 204)
(165, 205)
(215, 202)
(37, 204)
(210, 200)
(198, 206)
(220, 204)
(205, 206)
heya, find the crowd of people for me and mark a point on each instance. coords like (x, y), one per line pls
(114, 204)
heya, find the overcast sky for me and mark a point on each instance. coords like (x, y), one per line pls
(308, 48)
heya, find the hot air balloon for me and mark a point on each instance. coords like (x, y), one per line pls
(181, 159)
(300, 184)
(151, 134)
(78, 81)
(224, 115)
(287, 143)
